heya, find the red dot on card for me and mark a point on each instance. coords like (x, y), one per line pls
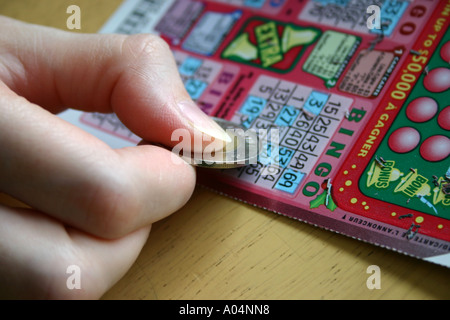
(404, 140)
(435, 148)
(445, 52)
(437, 80)
(444, 118)
(421, 109)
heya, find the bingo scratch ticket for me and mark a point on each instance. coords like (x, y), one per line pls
(360, 104)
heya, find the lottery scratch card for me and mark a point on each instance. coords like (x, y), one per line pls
(354, 95)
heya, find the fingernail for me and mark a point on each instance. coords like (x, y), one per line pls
(200, 121)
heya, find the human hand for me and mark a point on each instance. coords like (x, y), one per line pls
(90, 206)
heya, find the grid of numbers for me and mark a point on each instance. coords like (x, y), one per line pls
(306, 119)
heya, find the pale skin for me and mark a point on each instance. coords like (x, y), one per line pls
(89, 205)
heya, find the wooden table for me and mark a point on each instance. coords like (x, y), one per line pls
(219, 248)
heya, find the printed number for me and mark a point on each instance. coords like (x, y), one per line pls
(418, 11)
(225, 77)
(282, 94)
(311, 143)
(302, 124)
(246, 121)
(271, 111)
(392, 8)
(289, 181)
(265, 89)
(322, 125)
(332, 108)
(253, 105)
(285, 156)
(253, 169)
(287, 116)
(259, 124)
(315, 103)
(195, 88)
(294, 138)
(269, 173)
(300, 161)
(203, 72)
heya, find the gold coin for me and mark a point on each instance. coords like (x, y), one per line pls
(243, 149)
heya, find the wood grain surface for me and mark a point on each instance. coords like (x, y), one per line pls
(220, 248)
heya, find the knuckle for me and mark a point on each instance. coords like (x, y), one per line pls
(147, 46)
(113, 209)
(148, 58)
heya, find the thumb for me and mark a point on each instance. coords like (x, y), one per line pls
(134, 76)
(150, 97)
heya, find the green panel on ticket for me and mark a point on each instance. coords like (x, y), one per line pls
(330, 56)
